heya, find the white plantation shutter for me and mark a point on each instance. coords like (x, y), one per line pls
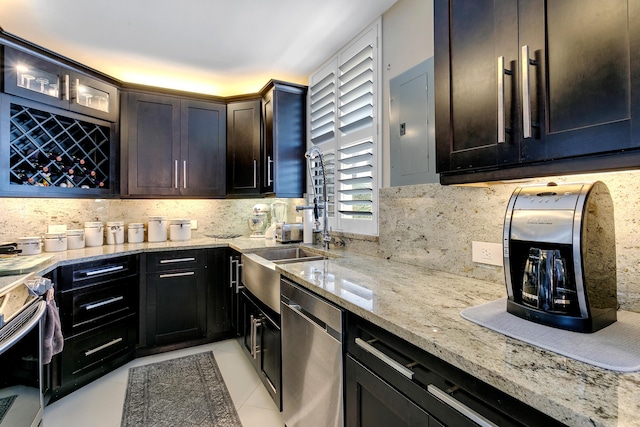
(316, 173)
(344, 105)
(322, 104)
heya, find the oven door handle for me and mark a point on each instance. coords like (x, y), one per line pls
(24, 329)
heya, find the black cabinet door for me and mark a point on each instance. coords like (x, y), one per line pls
(175, 306)
(525, 87)
(371, 402)
(580, 77)
(218, 295)
(243, 148)
(470, 37)
(203, 149)
(270, 359)
(284, 138)
(153, 144)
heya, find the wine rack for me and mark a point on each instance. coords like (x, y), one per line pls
(50, 150)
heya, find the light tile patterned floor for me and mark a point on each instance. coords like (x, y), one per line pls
(99, 404)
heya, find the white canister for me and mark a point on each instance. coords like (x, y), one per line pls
(115, 232)
(157, 229)
(31, 245)
(93, 234)
(55, 242)
(179, 229)
(75, 239)
(136, 232)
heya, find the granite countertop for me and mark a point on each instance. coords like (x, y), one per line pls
(423, 307)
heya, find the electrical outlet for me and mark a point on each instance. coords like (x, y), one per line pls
(487, 253)
(194, 224)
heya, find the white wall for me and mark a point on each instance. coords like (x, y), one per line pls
(407, 40)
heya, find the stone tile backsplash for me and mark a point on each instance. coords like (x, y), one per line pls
(426, 225)
(434, 225)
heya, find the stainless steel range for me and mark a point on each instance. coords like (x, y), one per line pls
(21, 369)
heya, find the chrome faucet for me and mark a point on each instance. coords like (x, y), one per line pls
(311, 154)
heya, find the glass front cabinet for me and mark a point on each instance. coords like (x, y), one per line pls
(58, 127)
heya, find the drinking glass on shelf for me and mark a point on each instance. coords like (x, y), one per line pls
(43, 82)
(53, 90)
(87, 98)
(26, 80)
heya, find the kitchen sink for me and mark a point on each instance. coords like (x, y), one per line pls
(259, 274)
(288, 255)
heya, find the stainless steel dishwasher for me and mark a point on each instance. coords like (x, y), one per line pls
(311, 359)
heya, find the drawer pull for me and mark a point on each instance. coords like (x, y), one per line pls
(188, 273)
(102, 347)
(170, 261)
(104, 270)
(101, 303)
(460, 407)
(384, 358)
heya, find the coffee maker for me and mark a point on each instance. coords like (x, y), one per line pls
(560, 255)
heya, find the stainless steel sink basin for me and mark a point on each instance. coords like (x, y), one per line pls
(259, 274)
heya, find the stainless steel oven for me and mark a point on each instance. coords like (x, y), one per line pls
(21, 370)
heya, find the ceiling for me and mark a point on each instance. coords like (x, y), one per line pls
(217, 47)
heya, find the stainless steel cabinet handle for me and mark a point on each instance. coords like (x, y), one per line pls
(501, 133)
(526, 93)
(184, 174)
(255, 173)
(252, 336)
(66, 87)
(187, 273)
(102, 303)
(104, 270)
(238, 285)
(269, 164)
(231, 270)
(460, 407)
(255, 348)
(175, 174)
(171, 261)
(384, 358)
(102, 347)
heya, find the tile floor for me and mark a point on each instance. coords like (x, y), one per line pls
(99, 404)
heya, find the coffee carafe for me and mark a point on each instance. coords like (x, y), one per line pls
(559, 256)
(545, 285)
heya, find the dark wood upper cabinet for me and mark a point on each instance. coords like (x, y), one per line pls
(243, 147)
(173, 146)
(532, 88)
(283, 145)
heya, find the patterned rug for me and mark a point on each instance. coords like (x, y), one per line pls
(187, 391)
(5, 405)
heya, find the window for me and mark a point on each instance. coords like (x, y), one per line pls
(344, 109)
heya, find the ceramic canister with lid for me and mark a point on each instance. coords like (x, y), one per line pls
(93, 234)
(75, 239)
(55, 242)
(136, 232)
(179, 229)
(115, 232)
(157, 229)
(31, 245)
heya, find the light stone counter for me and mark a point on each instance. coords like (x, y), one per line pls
(423, 307)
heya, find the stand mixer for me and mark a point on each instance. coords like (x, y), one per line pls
(259, 221)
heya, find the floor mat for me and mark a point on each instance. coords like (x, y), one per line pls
(187, 391)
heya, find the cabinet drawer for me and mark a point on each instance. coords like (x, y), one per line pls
(92, 306)
(175, 260)
(88, 273)
(91, 349)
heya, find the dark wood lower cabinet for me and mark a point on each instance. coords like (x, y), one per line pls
(260, 339)
(98, 302)
(389, 382)
(175, 301)
(372, 402)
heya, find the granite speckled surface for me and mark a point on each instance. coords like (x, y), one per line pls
(422, 306)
